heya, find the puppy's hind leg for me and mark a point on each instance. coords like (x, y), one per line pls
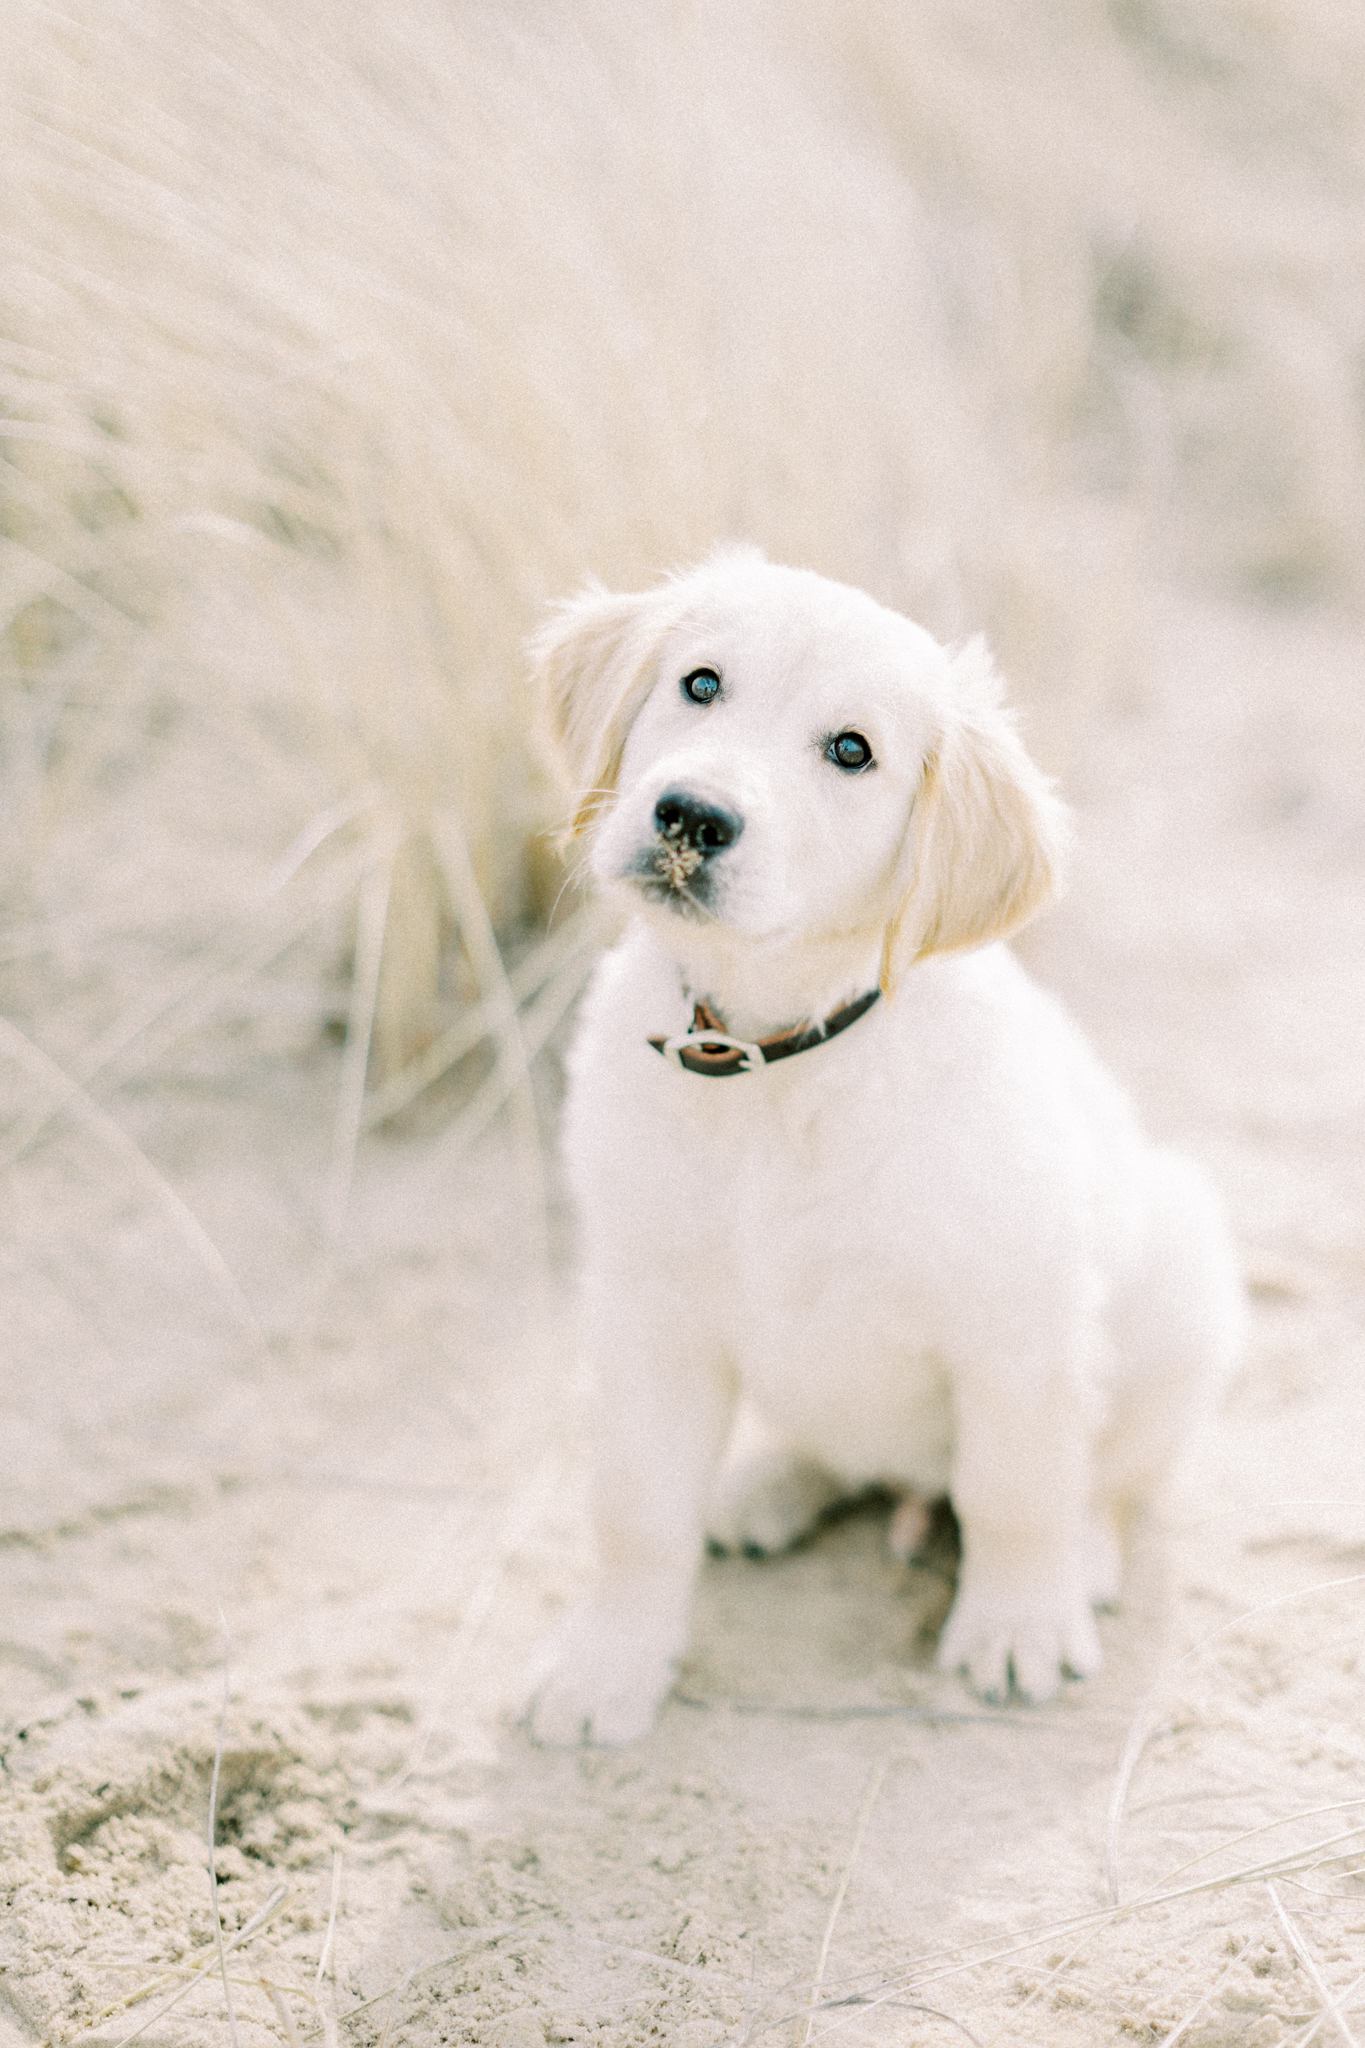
(1177, 1327)
(765, 1497)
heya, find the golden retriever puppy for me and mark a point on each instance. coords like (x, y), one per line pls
(916, 1236)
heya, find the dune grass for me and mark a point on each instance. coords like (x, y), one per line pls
(321, 378)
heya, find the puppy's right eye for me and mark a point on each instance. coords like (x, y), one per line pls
(701, 686)
(851, 752)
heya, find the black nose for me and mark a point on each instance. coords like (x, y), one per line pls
(682, 818)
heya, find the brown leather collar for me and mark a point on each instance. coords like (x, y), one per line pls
(708, 1048)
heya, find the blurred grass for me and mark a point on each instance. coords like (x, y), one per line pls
(333, 347)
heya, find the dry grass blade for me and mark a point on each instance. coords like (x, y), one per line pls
(1219, 1848)
(535, 1026)
(906, 2005)
(249, 1979)
(1268, 1827)
(1314, 2026)
(957, 1961)
(864, 2002)
(328, 2006)
(317, 832)
(196, 993)
(325, 1959)
(1305, 1956)
(48, 577)
(545, 963)
(869, 1800)
(1051, 1975)
(253, 1927)
(1183, 2026)
(861, 2002)
(482, 947)
(282, 2012)
(394, 2001)
(1137, 1733)
(136, 1161)
(213, 1834)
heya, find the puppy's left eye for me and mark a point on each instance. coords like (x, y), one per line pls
(849, 751)
(701, 686)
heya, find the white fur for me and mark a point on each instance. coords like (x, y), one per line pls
(936, 1252)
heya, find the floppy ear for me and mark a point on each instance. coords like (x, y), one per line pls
(986, 836)
(594, 663)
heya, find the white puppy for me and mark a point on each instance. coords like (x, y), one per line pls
(917, 1238)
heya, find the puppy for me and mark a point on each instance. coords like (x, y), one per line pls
(855, 1195)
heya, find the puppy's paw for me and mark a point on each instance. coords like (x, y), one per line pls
(610, 1677)
(1020, 1639)
(767, 1503)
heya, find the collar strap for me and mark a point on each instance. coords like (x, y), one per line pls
(708, 1048)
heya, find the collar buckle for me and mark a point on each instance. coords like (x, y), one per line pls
(706, 1049)
(712, 1042)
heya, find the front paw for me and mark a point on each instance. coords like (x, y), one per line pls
(611, 1675)
(1017, 1638)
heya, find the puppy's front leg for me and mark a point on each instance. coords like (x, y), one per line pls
(664, 1412)
(1021, 1488)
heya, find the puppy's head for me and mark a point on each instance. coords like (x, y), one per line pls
(761, 751)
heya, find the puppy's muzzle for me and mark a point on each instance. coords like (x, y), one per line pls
(689, 833)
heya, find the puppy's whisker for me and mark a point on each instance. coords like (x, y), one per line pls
(577, 877)
(582, 814)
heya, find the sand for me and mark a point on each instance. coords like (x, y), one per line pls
(371, 1507)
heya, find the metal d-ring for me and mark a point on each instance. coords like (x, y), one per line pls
(706, 1040)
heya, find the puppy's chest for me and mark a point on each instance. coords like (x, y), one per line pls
(793, 1225)
(832, 1317)
(807, 1206)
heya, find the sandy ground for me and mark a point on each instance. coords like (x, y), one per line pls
(823, 1839)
